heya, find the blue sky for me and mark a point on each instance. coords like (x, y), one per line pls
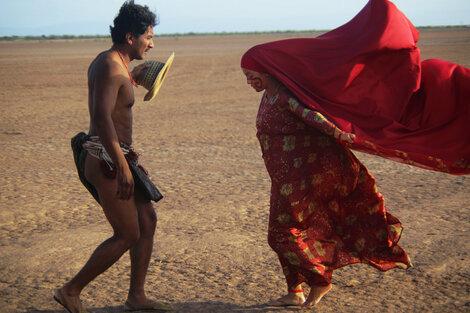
(93, 17)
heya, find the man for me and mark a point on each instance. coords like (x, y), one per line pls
(106, 164)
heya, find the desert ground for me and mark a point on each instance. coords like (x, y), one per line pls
(197, 139)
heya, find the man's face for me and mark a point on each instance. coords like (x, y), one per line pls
(143, 44)
(256, 80)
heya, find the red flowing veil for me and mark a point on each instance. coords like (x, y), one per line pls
(367, 78)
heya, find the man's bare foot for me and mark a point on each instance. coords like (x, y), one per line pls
(146, 305)
(291, 299)
(70, 303)
(315, 295)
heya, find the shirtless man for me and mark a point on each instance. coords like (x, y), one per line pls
(128, 209)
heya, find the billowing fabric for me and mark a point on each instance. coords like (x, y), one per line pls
(325, 210)
(366, 77)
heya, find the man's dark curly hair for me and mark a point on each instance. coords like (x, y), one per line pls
(132, 18)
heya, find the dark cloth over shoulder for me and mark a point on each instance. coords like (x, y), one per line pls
(141, 179)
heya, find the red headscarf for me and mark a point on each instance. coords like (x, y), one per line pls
(366, 77)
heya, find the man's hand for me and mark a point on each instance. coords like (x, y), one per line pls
(125, 181)
(138, 69)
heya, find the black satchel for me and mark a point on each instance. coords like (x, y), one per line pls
(143, 182)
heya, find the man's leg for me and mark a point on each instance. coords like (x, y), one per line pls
(123, 217)
(141, 252)
(140, 258)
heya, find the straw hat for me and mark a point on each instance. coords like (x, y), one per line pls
(152, 78)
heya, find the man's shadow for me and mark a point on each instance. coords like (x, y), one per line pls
(187, 307)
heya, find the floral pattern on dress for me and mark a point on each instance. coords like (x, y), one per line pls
(325, 210)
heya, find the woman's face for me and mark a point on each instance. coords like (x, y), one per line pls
(255, 79)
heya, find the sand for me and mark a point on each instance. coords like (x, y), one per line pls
(199, 145)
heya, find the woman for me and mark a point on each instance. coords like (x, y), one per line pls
(360, 86)
(325, 210)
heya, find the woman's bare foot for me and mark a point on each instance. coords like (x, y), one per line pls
(315, 295)
(291, 299)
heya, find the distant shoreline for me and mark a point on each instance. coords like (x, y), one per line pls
(99, 37)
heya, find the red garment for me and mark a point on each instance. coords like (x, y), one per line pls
(366, 77)
(325, 210)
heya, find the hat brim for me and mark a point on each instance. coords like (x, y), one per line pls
(160, 78)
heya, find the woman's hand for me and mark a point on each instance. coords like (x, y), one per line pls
(347, 137)
(343, 136)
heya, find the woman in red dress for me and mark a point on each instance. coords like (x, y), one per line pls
(325, 211)
(360, 86)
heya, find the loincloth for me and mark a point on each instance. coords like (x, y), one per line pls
(82, 144)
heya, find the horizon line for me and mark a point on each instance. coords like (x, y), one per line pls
(95, 36)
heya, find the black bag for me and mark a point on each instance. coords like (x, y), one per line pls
(143, 182)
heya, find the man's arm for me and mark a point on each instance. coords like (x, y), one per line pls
(107, 83)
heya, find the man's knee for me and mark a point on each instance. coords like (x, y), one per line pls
(128, 238)
(149, 223)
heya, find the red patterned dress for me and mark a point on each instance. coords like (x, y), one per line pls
(325, 210)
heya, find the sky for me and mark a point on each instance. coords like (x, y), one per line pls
(93, 17)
